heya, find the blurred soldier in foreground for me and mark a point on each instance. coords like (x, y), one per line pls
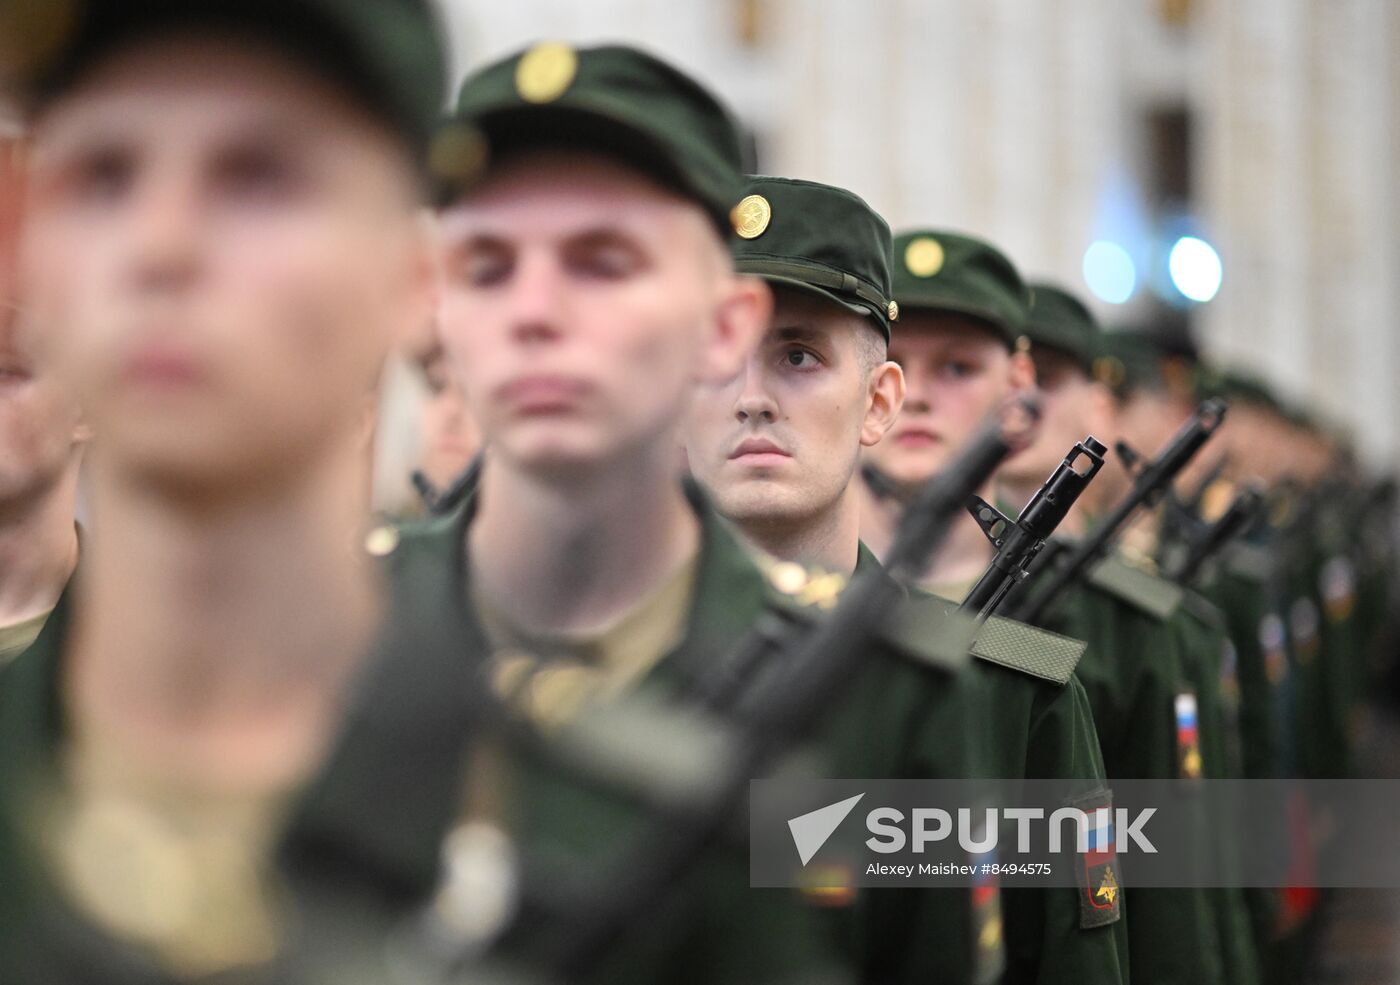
(40, 449)
(588, 289)
(221, 240)
(962, 316)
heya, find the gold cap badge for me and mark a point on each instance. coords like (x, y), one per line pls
(545, 72)
(1110, 371)
(458, 154)
(751, 216)
(924, 256)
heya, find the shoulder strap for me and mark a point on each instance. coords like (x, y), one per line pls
(1144, 590)
(1032, 651)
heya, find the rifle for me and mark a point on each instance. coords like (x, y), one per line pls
(1061, 567)
(1243, 511)
(580, 925)
(1019, 541)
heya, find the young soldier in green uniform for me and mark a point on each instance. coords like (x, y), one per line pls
(41, 440)
(777, 448)
(588, 289)
(1265, 581)
(222, 238)
(1152, 394)
(962, 313)
(1132, 669)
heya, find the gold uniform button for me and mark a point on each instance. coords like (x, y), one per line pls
(923, 257)
(545, 72)
(751, 216)
(788, 577)
(893, 311)
(382, 541)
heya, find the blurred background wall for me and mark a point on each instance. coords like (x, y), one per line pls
(1087, 138)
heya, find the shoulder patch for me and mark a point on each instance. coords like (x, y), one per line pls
(1154, 595)
(1033, 651)
(1203, 610)
(930, 630)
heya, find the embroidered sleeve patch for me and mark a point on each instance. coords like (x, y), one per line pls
(1100, 898)
(989, 954)
(1188, 738)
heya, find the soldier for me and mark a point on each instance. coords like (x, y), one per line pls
(777, 448)
(1152, 392)
(1133, 669)
(449, 439)
(959, 341)
(588, 289)
(221, 241)
(41, 441)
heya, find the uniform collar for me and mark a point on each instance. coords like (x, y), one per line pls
(389, 794)
(31, 702)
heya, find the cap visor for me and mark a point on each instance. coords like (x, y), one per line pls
(578, 128)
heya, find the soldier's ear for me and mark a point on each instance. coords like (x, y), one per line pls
(886, 400)
(417, 329)
(1021, 370)
(742, 315)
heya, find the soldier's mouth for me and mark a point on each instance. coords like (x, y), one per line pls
(917, 438)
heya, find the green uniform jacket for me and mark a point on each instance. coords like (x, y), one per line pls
(1132, 675)
(1035, 723)
(385, 822)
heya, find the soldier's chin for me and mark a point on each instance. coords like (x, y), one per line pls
(755, 501)
(193, 464)
(555, 450)
(913, 468)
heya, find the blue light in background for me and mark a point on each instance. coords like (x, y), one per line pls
(1110, 272)
(1195, 268)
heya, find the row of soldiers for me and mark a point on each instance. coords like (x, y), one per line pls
(509, 742)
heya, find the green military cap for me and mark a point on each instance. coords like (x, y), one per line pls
(615, 100)
(1127, 362)
(1059, 320)
(942, 271)
(1241, 386)
(818, 238)
(1244, 387)
(389, 54)
(1144, 359)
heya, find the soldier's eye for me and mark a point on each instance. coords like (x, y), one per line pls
(258, 173)
(801, 359)
(604, 261)
(482, 269)
(102, 176)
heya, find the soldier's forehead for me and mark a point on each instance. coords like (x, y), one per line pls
(564, 193)
(944, 329)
